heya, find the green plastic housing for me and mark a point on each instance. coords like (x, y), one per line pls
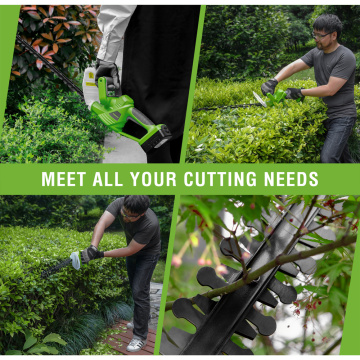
(278, 97)
(119, 114)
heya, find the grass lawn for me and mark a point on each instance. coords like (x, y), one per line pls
(304, 75)
(158, 275)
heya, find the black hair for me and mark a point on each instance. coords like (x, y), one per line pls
(137, 204)
(328, 23)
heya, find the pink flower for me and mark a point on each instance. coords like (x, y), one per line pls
(176, 261)
(201, 262)
(221, 269)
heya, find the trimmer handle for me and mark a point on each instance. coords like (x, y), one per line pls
(109, 85)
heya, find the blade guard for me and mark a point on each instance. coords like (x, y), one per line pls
(119, 114)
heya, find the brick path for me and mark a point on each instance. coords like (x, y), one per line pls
(122, 340)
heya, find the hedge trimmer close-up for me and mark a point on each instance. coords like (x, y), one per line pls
(116, 112)
(217, 321)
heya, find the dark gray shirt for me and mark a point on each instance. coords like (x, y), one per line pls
(340, 63)
(146, 230)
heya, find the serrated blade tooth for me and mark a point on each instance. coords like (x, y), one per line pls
(287, 294)
(232, 349)
(228, 247)
(289, 269)
(231, 274)
(182, 308)
(326, 233)
(204, 303)
(312, 244)
(244, 329)
(206, 276)
(179, 337)
(266, 325)
(273, 218)
(267, 299)
(256, 224)
(307, 266)
(326, 212)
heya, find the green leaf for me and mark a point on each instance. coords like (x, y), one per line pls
(30, 341)
(54, 338)
(13, 352)
(39, 349)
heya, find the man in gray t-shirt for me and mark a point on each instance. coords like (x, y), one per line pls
(142, 231)
(334, 67)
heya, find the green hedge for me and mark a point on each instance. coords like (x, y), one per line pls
(52, 126)
(27, 301)
(286, 133)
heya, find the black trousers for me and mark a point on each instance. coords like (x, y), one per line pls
(158, 57)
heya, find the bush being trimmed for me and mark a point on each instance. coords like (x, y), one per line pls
(28, 301)
(52, 127)
(286, 133)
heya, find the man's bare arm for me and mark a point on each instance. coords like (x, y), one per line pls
(291, 69)
(330, 89)
(105, 221)
(131, 249)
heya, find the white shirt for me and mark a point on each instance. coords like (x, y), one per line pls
(113, 21)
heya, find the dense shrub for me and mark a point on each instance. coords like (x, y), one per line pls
(27, 301)
(66, 35)
(286, 133)
(38, 210)
(52, 126)
(242, 41)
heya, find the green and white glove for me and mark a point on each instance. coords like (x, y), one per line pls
(91, 253)
(109, 71)
(269, 86)
(293, 94)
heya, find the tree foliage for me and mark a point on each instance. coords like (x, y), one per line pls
(242, 41)
(66, 35)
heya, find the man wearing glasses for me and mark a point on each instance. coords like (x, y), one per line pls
(334, 67)
(142, 231)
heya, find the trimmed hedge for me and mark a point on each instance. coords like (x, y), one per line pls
(27, 301)
(286, 133)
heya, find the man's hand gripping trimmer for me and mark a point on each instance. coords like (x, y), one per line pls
(119, 114)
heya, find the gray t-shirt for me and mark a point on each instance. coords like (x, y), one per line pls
(146, 230)
(340, 63)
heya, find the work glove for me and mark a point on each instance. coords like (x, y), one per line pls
(269, 86)
(91, 253)
(108, 70)
(293, 94)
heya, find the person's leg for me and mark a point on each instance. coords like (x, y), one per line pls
(335, 148)
(145, 265)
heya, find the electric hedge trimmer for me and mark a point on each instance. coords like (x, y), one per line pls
(117, 112)
(77, 259)
(273, 99)
(219, 320)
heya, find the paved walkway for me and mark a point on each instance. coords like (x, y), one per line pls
(119, 342)
(126, 151)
